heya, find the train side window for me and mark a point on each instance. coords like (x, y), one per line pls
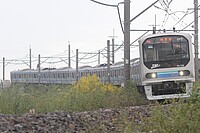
(98, 74)
(118, 72)
(112, 73)
(115, 73)
(104, 73)
(63, 75)
(45, 75)
(81, 74)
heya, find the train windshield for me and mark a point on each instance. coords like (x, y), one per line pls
(166, 52)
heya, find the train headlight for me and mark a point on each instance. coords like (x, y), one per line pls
(184, 73)
(151, 75)
(181, 73)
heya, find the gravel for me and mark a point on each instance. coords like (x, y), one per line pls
(102, 120)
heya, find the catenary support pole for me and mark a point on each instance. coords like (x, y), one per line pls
(99, 57)
(30, 58)
(39, 71)
(108, 60)
(196, 47)
(113, 50)
(77, 66)
(126, 42)
(3, 68)
(69, 59)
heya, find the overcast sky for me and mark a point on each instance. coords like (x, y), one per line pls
(47, 26)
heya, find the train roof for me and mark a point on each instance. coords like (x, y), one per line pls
(64, 68)
(100, 66)
(47, 68)
(84, 67)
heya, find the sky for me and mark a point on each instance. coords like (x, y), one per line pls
(47, 27)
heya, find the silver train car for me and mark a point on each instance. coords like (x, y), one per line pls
(164, 70)
(68, 75)
(167, 65)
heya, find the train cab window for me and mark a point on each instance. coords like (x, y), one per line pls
(166, 51)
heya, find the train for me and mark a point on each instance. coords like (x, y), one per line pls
(164, 69)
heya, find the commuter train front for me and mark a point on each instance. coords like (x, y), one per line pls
(167, 65)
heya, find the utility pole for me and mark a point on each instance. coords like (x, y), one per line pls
(113, 50)
(39, 72)
(196, 38)
(196, 28)
(3, 68)
(69, 60)
(30, 58)
(77, 66)
(113, 46)
(99, 57)
(126, 42)
(108, 60)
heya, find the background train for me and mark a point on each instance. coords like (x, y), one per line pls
(164, 70)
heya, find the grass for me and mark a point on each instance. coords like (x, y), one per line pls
(90, 94)
(178, 117)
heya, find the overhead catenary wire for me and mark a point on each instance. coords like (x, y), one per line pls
(169, 12)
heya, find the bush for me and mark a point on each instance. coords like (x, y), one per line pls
(88, 94)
